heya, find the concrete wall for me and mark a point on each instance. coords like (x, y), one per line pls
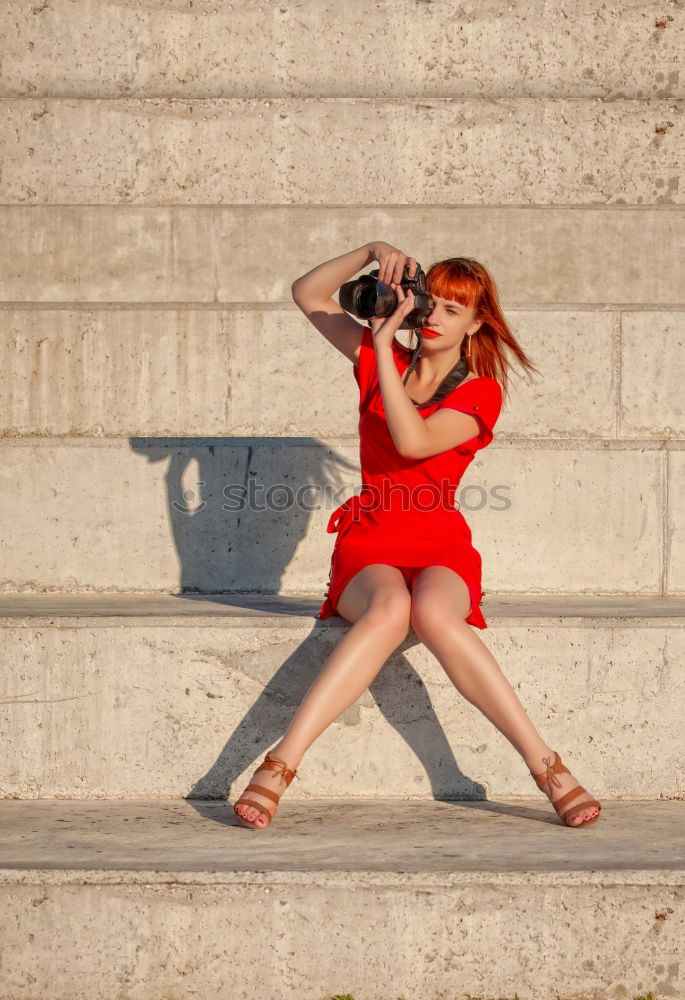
(320, 48)
(163, 183)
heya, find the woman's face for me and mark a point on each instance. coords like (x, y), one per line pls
(451, 320)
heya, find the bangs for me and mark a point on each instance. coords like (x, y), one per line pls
(450, 280)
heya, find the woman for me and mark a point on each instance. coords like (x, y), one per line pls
(403, 556)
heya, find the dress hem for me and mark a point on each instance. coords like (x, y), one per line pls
(328, 606)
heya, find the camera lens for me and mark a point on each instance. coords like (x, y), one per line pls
(365, 302)
(385, 300)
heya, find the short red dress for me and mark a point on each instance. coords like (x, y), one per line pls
(404, 515)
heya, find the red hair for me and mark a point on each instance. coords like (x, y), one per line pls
(465, 280)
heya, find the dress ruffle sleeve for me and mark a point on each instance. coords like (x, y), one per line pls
(482, 399)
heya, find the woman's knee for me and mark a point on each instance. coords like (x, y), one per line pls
(378, 591)
(440, 598)
(390, 607)
(430, 617)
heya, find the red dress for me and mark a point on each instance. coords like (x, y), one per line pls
(405, 514)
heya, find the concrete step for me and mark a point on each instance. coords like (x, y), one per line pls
(248, 514)
(342, 151)
(374, 899)
(565, 255)
(103, 48)
(149, 696)
(192, 371)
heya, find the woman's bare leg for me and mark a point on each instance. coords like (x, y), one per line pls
(440, 605)
(377, 603)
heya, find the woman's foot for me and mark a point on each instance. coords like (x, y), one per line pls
(566, 781)
(271, 779)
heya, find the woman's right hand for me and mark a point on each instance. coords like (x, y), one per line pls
(391, 262)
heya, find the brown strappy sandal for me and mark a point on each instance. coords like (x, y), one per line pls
(548, 777)
(272, 763)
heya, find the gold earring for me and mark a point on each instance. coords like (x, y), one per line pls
(468, 347)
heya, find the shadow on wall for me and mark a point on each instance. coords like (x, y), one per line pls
(239, 507)
(398, 691)
(236, 526)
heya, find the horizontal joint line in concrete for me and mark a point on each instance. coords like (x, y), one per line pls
(571, 622)
(251, 207)
(316, 100)
(502, 442)
(252, 306)
(354, 880)
(548, 96)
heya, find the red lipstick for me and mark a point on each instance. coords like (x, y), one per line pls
(427, 332)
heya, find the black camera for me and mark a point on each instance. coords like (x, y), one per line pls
(366, 297)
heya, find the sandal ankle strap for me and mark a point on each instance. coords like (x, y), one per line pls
(548, 776)
(274, 763)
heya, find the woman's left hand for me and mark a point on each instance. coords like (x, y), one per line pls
(384, 328)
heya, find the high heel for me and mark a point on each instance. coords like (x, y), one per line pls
(548, 778)
(271, 763)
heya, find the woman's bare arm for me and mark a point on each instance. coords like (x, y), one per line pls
(313, 293)
(325, 279)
